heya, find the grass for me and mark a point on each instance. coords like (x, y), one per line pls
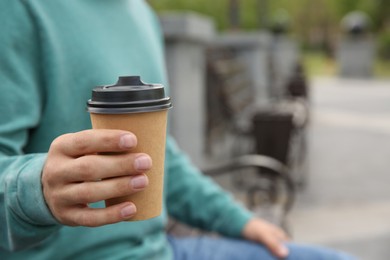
(382, 68)
(318, 64)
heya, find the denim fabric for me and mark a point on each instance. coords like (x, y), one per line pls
(210, 248)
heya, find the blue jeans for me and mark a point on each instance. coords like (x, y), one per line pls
(209, 248)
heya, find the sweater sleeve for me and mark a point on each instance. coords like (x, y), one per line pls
(196, 200)
(24, 217)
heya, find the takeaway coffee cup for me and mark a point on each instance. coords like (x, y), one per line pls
(141, 109)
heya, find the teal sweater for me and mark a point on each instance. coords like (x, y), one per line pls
(52, 53)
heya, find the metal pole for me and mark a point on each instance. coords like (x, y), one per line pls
(234, 14)
(263, 13)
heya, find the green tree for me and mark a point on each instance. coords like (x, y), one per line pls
(312, 21)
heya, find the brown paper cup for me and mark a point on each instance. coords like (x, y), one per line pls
(150, 129)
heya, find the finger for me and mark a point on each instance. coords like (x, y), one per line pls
(96, 167)
(94, 217)
(276, 247)
(282, 235)
(94, 141)
(279, 233)
(89, 192)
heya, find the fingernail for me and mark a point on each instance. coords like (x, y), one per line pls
(142, 163)
(127, 141)
(128, 211)
(283, 251)
(139, 182)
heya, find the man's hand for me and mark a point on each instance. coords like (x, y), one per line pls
(271, 236)
(92, 166)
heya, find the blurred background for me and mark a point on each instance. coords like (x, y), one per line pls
(316, 25)
(287, 105)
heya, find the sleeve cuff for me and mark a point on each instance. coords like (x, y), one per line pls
(30, 194)
(238, 222)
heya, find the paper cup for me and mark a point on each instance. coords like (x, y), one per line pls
(145, 119)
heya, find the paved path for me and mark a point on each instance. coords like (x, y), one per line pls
(347, 201)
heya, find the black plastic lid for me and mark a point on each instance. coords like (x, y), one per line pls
(128, 95)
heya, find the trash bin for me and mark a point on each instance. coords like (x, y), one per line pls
(356, 50)
(297, 85)
(272, 131)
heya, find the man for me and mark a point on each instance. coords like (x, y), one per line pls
(52, 53)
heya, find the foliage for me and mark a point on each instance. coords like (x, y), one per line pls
(315, 11)
(315, 23)
(216, 8)
(384, 45)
